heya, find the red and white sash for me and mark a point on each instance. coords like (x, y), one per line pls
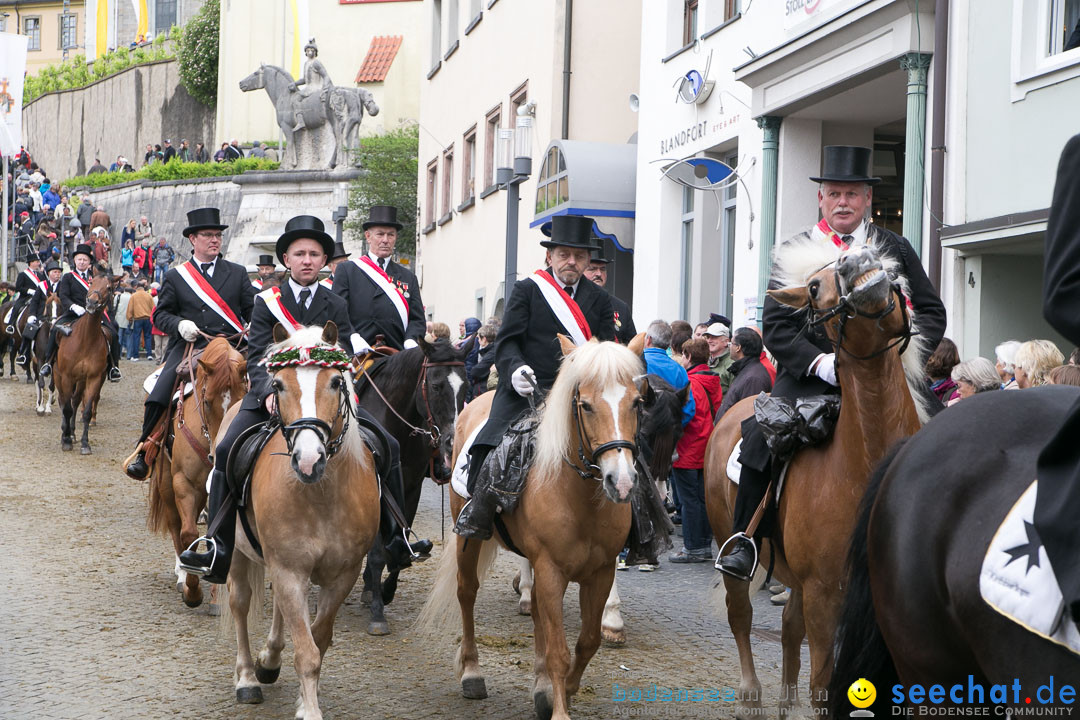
(272, 298)
(823, 226)
(195, 280)
(565, 309)
(257, 283)
(79, 277)
(37, 281)
(384, 283)
(327, 282)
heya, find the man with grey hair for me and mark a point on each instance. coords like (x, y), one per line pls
(1005, 354)
(975, 376)
(659, 363)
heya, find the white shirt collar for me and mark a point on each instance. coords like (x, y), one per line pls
(297, 287)
(375, 259)
(858, 235)
(198, 263)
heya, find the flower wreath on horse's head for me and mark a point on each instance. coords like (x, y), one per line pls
(317, 356)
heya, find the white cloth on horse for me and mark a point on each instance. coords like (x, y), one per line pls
(459, 479)
(734, 469)
(151, 381)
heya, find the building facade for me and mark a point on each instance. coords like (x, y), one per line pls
(55, 29)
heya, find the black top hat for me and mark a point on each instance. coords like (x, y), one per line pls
(571, 231)
(52, 265)
(31, 256)
(266, 260)
(847, 163)
(203, 219)
(339, 251)
(382, 215)
(598, 257)
(304, 226)
(83, 249)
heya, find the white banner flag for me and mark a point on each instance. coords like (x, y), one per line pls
(12, 69)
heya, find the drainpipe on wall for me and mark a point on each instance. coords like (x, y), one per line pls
(937, 139)
(770, 167)
(568, 27)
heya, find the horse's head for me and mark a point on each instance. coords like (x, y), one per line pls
(52, 307)
(254, 81)
(661, 423)
(221, 379)
(312, 385)
(100, 292)
(441, 395)
(591, 418)
(864, 312)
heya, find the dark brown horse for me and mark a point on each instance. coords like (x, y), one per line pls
(81, 360)
(9, 344)
(46, 386)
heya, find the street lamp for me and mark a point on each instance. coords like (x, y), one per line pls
(510, 173)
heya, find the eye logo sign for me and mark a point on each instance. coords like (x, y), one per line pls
(862, 695)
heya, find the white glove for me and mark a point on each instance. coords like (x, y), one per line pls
(826, 369)
(188, 330)
(31, 320)
(520, 381)
(410, 344)
(78, 310)
(359, 344)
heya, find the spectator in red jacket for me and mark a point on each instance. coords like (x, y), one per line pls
(144, 259)
(687, 471)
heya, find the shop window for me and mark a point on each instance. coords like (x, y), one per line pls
(468, 166)
(1063, 33)
(727, 234)
(430, 192)
(448, 184)
(687, 263)
(690, 21)
(492, 121)
(32, 30)
(552, 184)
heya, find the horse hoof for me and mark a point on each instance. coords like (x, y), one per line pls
(613, 638)
(516, 584)
(29, 381)
(524, 607)
(249, 695)
(265, 675)
(40, 413)
(193, 602)
(474, 688)
(66, 446)
(85, 450)
(378, 628)
(542, 705)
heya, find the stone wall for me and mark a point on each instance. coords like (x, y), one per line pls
(119, 115)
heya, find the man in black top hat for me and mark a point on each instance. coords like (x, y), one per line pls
(207, 295)
(598, 273)
(383, 297)
(35, 309)
(27, 284)
(72, 290)
(300, 302)
(805, 358)
(336, 259)
(265, 268)
(527, 350)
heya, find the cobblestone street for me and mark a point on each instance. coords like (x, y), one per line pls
(91, 625)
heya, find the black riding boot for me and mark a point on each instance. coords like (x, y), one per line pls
(213, 565)
(137, 469)
(114, 360)
(399, 552)
(50, 352)
(27, 342)
(740, 561)
(476, 518)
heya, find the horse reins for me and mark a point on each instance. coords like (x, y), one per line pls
(591, 470)
(846, 310)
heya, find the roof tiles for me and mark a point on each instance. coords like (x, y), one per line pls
(380, 55)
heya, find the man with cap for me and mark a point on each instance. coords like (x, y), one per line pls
(207, 295)
(718, 335)
(335, 260)
(551, 301)
(807, 363)
(301, 301)
(29, 281)
(72, 290)
(265, 268)
(383, 297)
(624, 323)
(35, 309)
(170, 151)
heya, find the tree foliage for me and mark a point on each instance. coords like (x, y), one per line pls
(198, 53)
(389, 178)
(172, 170)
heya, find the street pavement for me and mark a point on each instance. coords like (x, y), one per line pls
(91, 625)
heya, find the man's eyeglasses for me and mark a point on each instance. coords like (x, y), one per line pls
(210, 235)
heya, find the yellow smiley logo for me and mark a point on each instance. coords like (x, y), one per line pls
(862, 693)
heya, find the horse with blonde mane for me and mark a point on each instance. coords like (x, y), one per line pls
(572, 520)
(178, 482)
(313, 510)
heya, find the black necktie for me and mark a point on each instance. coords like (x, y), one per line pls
(382, 263)
(570, 291)
(206, 268)
(847, 239)
(305, 294)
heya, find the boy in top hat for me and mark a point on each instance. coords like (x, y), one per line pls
(383, 297)
(35, 309)
(207, 295)
(598, 273)
(72, 290)
(301, 301)
(335, 260)
(807, 363)
(265, 268)
(557, 299)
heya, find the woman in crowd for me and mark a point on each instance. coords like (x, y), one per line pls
(1034, 359)
(1006, 363)
(127, 255)
(1064, 375)
(974, 376)
(939, 370)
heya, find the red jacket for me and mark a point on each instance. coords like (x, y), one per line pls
(144, 258)
(705, 385)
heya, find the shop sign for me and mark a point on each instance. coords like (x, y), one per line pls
(804, 14)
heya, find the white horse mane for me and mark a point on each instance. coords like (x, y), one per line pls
(796, 260)
(593, 363)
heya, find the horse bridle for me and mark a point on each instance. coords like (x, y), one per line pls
(317, 425)
(589, 469)
(434, 434)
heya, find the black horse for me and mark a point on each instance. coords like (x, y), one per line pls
(416, 395)
(913, 613)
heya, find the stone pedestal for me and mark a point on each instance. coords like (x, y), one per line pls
(269, 199)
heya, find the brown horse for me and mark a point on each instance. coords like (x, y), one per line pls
(315, 510)
(178, 483)
(36, 357)
(81, 360)
(866, 316)
(9, 344)
(571, 521)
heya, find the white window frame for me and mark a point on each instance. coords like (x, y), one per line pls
(1033, 66)
(686, 258)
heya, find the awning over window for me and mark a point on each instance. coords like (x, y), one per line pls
(594, 179)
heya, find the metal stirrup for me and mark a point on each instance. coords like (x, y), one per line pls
(737, 536)
(199, 570)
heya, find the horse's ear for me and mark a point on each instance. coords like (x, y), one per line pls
(424, 345)
(796, 297)
(683, 395)
(637, 344)
(329, 333)
(241, 368)
(205, 368)
(645, 389)
(566, 344)
(280, 333)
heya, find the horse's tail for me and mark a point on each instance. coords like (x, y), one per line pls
(860, 650)
(158, 511)
(440, 609)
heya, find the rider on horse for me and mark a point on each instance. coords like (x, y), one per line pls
(72, 290)
(555, 300)
(315, 80)
(206, 296)
(806, 359)
(29, 282)
(339, 256)
(303, 248)
(35, 309)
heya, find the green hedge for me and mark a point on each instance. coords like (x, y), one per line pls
(172, 170)
(76, 73)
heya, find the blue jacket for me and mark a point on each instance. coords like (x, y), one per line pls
(658, 363)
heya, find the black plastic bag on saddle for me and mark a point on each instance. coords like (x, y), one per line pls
(650, 524)
(789, 426)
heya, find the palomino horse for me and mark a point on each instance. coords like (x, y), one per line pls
(314, 507)
(416, 395)
(81, 361)
(178, 484)
(866, 317)
(916, 614)
(571, 521)
(37, 356)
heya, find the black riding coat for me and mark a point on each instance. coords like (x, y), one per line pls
(71, 292)
(36, 306)
(529, 336)
(26, 287)
(624, 322)
(372, 312)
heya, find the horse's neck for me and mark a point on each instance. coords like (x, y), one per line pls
(276, 84)
(399, 389)
(877, 409)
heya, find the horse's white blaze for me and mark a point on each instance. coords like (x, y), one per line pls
(226, 401)
(308, 448)
(624, 481)
(456, 383)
